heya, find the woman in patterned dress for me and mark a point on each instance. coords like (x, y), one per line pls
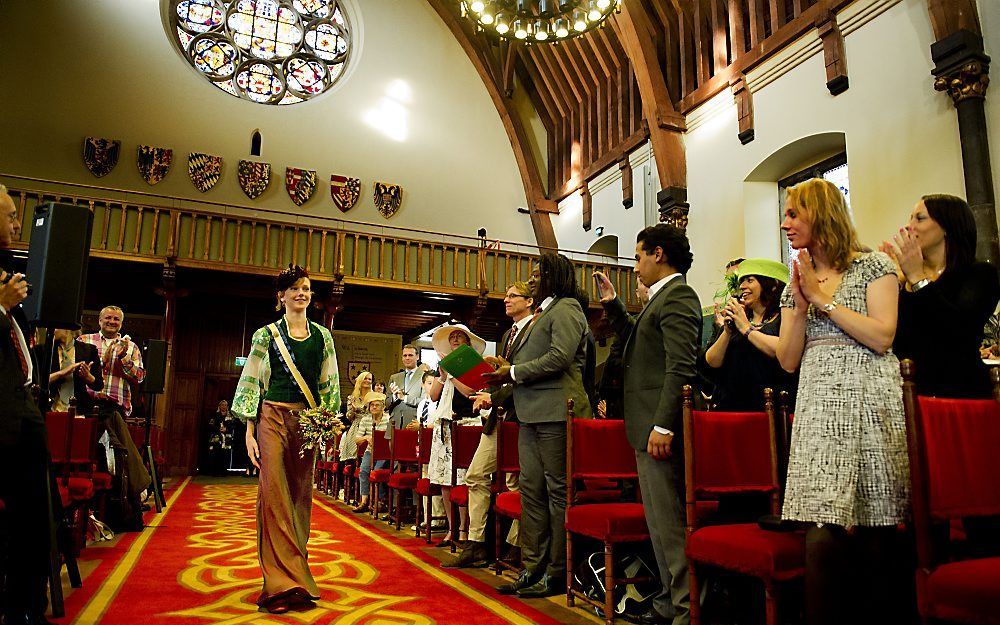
(848, 474)
(356, 409)
(284, 495)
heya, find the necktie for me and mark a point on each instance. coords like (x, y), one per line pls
(424, 412)
(510, 342)
(17, 345)
(406, 381)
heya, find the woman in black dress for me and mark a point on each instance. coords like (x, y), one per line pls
(945, 300)
(742, 361)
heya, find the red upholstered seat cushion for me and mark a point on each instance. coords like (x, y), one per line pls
(460, 495)
(80, 488)
(426, 489)
(965, 592)
(102, 481)
(748, 549)
(509, 505)
(357, 472)
(380, 476)
(404, 481)
(64, 496)
(614, 522)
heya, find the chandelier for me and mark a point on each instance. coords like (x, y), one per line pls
(539, 20)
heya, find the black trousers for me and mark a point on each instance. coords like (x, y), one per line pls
(24, 524)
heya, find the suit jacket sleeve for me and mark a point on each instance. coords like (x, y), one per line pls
(680, 325)
(621, 322)
(567, 330)
(88, 353)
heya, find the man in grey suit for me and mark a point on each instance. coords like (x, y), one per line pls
(405, 388)
(658, 360)
(546, 369)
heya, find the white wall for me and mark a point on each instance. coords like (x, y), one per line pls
(607, 208)
(901, 136)
(106, 68)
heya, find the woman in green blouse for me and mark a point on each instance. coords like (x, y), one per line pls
(284, 498)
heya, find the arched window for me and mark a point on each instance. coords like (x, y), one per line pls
(265, 51)
(255, 143)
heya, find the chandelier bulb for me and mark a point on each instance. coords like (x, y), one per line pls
(603, 4)
(477, 6)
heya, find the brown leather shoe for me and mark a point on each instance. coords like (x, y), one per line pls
(278, 606)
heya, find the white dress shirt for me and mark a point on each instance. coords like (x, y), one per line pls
(653, 290)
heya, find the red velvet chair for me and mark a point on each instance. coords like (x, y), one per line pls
(405, 467)
(954, 448)
(506, 503)
(425, 490)
(728, 453)
(464, 442)
(381, 450)
(597, 449)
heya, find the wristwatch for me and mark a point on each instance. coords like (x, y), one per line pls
(828, 308)
(919, 284)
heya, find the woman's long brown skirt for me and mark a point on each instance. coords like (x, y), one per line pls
(284, 507)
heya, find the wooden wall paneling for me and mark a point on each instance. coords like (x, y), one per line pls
(669, 26)
(598, 119)
(776, 9)
(181, 427)
(744, 109)
(700, 54)
(720, 30)
(756, 13)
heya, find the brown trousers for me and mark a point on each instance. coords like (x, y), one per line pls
(284, 507)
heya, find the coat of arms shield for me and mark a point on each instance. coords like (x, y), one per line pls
(354, 368)
(388, 197)
(100, 155)
(300, 184)
(204, 170)
(154, 163)
(345, 191)
(254, 178)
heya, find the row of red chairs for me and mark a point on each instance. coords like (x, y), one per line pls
(953, 463)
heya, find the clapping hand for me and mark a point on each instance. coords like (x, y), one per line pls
(481, 401)
(806, 280)
(907, 254)
(499, 377)
(83, 371)
(736, 313)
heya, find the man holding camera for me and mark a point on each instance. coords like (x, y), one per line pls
(24, 454)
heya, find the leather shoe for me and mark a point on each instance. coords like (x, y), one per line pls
(548, 586)
(652, 617)
(473, 554)
(525, 579)
(25, 618)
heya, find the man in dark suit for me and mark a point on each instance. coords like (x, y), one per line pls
(24, 454)
(546, 369)
(659, 359)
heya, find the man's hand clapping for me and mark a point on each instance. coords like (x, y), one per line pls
(13, 290)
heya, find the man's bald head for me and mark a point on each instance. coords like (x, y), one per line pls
(10, 228)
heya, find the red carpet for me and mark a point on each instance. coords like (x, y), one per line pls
(199, 565)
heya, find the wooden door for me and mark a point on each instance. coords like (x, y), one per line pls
(183, 422)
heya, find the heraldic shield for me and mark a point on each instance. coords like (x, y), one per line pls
(100, 155)
(254, 178)
(154, 163)
(204, 170)
(300, 184)
(345, 191)
(388, 197)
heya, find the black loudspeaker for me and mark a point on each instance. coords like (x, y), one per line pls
(154, 360)
(57, 264)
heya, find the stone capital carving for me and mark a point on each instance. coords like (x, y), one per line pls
(674, 207)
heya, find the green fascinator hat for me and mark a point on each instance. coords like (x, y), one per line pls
(764, 267)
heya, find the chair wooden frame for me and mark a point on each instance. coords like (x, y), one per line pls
(504, 431)
(461, 458)
(408, 455)
(425, 508)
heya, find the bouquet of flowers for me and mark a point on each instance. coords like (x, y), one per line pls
(317, 425)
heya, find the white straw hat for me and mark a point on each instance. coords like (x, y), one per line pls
(443, 347)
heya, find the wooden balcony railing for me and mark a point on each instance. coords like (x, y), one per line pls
(331, 250)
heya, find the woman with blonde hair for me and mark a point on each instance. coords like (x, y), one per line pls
(356, 409)
(848, 467)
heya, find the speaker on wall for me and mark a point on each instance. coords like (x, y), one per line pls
(154, 360)
(57, 264)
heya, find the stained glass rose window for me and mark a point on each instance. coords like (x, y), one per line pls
(265, 51)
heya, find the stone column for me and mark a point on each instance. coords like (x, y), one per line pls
(962, 70)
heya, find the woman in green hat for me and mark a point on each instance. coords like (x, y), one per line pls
(743, 359)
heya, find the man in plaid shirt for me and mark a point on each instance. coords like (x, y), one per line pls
(120, 357)
(121, 362)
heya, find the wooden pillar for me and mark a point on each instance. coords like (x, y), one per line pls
(626, 168)
(961, 68)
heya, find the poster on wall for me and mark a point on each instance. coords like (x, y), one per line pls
(366, 351)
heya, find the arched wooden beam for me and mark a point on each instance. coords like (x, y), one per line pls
(665, 124)
(539, 206)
